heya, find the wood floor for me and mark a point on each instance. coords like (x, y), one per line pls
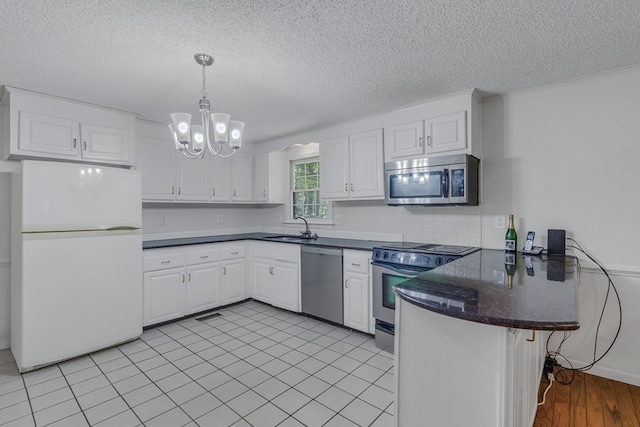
(589, 401)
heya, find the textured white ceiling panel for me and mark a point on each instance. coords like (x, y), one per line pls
(284, 66)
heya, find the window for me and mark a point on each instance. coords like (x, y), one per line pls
(305, 190)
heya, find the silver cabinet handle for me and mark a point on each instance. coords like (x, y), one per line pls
(84, 143)
(173, 190)
(165, 262)
(213, 191)
(355, 265)
(352, 186)
(189, 279)
(346, 283)
(346, 187)
(183, 277)
(179, 190)
(429, 141)
(264, 193)
(420, 142)
(270, 270)
(204, 256)
(75, 143)
(234, 253)
(224, 271)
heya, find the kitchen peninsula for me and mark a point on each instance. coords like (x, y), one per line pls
(469, 348)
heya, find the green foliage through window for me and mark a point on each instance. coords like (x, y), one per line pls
(306, 190)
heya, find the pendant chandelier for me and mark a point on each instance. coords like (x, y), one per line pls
(191, 139)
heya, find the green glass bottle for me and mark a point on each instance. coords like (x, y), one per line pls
(511, 238)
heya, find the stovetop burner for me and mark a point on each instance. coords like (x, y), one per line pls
(423, 255)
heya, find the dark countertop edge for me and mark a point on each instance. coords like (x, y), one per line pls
(493, 321)
(336, 242)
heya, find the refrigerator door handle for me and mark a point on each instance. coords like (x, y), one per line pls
(122, 228)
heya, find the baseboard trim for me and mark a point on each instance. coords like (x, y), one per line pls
(612, 374)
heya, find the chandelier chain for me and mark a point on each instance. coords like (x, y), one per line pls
(204, 79)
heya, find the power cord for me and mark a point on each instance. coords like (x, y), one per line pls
(552, 356)
(544, 395)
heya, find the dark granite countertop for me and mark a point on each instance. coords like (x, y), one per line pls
(543, 296)
(365, 245)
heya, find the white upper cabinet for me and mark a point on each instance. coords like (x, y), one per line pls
(334, 169)
(219, 176)
(261, 177)
(446, 126)
(404, 140)
(158, 166)
(352, 167)
(169, 176)
(446, 133)
(193, 178)
(241, 177)
(42, 126)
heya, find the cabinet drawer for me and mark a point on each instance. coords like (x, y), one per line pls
(356, 261)
(204, 255)
(277, 251)
(232, 252)
(162, 260)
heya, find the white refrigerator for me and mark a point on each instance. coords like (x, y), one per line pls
(76, 268)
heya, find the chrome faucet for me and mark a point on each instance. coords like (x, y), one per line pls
(306, 233)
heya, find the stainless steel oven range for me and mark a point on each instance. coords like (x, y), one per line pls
(399, 262)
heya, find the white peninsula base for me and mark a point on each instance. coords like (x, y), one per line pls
(451, 372)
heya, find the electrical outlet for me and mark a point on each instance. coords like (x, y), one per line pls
(499, 222)
(338, 219)
(219, 219)
(163, 221)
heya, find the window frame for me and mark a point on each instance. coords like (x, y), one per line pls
(292, 163)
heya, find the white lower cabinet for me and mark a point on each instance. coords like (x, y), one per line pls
(187, 280)
(233, 273)
(357, 289)
(276, 274)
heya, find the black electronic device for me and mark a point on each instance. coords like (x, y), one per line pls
(529, 249)
(556, 240)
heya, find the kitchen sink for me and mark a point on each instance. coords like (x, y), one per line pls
(288, 238)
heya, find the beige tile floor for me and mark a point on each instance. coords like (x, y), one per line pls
(254, 365)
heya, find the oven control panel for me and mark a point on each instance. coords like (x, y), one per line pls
(409, 258)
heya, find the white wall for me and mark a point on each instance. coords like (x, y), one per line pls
(566, 156)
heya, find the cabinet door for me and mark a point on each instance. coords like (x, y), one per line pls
(193, 179)
(366, 165)
(241, 177)
(219, 179)
(356, 301)
(262, 273)
(232, 283)
(40, 133)
(105, 144)
(203, 287)
(164, 295)
(446, 133)
(285, 288)
(158, 169)
(334, 167)
(261, 177)
(404, 140)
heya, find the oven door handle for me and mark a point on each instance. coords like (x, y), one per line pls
(406, 271)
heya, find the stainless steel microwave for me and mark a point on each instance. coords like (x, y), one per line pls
(445, 180)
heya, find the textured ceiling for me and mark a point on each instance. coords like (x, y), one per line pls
(285, 66)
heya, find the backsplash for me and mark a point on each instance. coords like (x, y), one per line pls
(446, 225)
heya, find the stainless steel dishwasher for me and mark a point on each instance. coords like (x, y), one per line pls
(321, 274)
